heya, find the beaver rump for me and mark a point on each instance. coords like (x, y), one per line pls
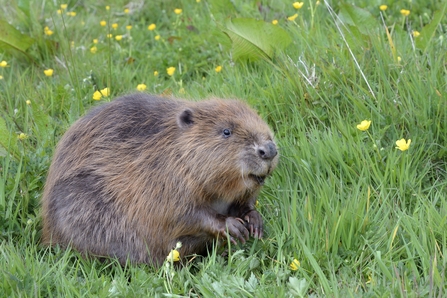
(136, 175)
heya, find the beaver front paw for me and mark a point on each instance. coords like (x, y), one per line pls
(253, 222)
(236, 230)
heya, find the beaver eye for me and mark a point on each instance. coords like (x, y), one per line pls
(226, 132)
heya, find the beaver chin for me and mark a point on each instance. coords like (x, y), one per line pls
(259, 179)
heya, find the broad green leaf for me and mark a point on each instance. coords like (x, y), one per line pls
(8, 141)
(253, 39)
(357, 17)
(429, 30)
(10, 37)
(24, 6)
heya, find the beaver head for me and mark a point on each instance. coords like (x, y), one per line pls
(228, 146)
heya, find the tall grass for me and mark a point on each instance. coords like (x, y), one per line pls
(362, 217)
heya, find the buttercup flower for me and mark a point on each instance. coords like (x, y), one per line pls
(64, 6)
(103, 23)
(292, 18)
(71, 13)
(118, 37)
(275, 22)
(416, 33)
(155, 73)
(383, 7)
(177, 11)
(126, 10)
(28, 102)
(151, 27)
(403, 145)
(128, 27)
(93, 50)
(48, 72)
(218, 68)
(174, 256)
(22, 136)
(95, 41)
(157, 37)
(110, 35)
(294, 265)
(59, 11)
(141, 87)
(97, 95)
(170, 70)
(1, 77)
(3, 63)
(105, 91)
(298, 5)
(47, 31)
(404, 12)
(364, 125)
(114, 26)
(107, 7)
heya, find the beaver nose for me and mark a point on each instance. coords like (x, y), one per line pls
(267, 150)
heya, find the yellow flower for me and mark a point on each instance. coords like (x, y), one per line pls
(95, 41)
(383, 7)
(292, 18)
(298, 5)
(114, 26)
(170, 70)
(403, 145)
(48, 72)
(141, 87)
(71, 13)
(3, 63)
(105, 91)
(93, 50)
(59, 11)
(155, 73)
(198, 1)
(1, 77)
(399, 59)
(47, 31)
(416, 33)
(22, 136)
(107, 7)
(118, 37)
(218, 68)
(364, 125)
(404, 12)
(126, 10)
(174, 256)
(151, 27)
(177, 11)
(103, 23)
(64, 6)
(157, 37)
(275, 22)
(109, 35)
(28, 102)
(97, 95)
(294, 265)
(128, 27)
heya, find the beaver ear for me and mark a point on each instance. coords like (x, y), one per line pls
(185, 118)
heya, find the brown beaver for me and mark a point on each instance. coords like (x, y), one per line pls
(136, 175)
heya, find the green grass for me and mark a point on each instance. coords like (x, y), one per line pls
(363, 218)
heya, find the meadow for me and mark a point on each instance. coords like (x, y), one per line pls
(354, 209)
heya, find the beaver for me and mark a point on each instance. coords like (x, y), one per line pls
(139, 174)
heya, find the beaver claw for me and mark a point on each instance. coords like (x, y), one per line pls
(253, 222)
(236, 230)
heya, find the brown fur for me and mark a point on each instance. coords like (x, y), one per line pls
(135, 176)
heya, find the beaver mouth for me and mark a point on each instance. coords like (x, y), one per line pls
(259, 179)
